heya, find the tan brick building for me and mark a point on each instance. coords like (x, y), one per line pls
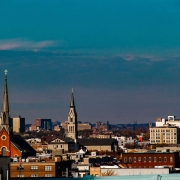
(32, 169)
(168, 134)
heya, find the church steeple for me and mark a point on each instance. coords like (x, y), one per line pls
(72, 104)
(5, 107)
(72, 119)
(5, 114)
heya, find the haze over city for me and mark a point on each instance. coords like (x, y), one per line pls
(121, 58)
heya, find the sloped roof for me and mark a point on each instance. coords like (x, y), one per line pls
(22, 145)
(49, 139)
(96, 142)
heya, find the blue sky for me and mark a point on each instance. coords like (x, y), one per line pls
(121, 57)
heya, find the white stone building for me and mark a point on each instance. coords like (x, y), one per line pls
(170, 120)
(122, 140)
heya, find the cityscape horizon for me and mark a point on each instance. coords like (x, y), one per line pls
(121, 58)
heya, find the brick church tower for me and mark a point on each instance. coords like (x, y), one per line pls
(5, 144)
(11, 145)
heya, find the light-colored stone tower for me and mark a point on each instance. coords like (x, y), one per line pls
(72, 120)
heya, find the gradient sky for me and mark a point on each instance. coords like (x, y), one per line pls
(121, 57)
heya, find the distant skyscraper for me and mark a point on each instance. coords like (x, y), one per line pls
(72, 119)
(46, 124)
(18, 124)
(41, 124)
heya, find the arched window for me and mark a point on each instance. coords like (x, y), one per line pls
(130, 160)
(125, 160)
(149, 159)
(165, 159)
(3, 151)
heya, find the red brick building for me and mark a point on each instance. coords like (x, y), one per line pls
(150, 159)
(10, 144)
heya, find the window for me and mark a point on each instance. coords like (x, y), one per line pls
(144, 159)
(130, 160)
(3, 137)
(34, 168)
(3, 151)
(134, 159)
(20, 175)
(139, 159)
(125, 160)
(48, 168)
(154, 159)
(171, 159)
(48, 175)
(159, 159)
(165, 159)
(34, 175)
(20, 168)
(150, 159)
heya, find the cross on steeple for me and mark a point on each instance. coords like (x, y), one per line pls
(5, 72)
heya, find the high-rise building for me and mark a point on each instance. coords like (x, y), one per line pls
(18, 124)
(41, 124)
(46, 124)
(72, 119)
(167, 134)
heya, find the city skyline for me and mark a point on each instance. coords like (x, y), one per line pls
(121, 58)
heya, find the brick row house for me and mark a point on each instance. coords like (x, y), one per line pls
(150, 159)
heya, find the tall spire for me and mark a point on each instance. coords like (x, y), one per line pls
(72, 104)
(72, 119)
(5, 115)
(5, 107)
